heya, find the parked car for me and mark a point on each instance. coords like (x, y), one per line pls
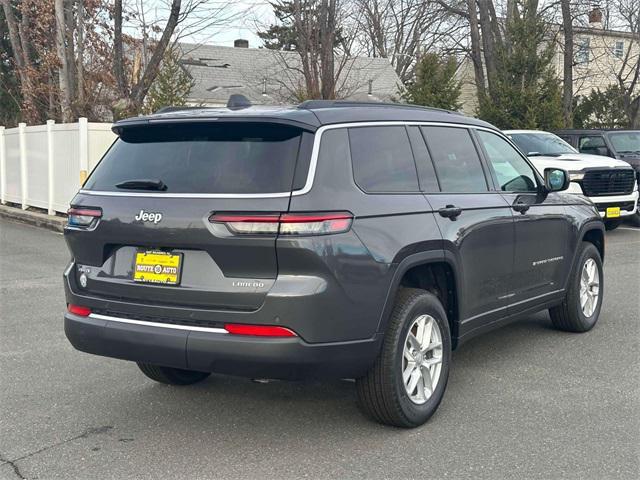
(331, 239)
(616, 143)
(609, 183)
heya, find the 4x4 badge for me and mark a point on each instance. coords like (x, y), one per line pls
(154, 217)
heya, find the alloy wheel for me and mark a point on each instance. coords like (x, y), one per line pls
(422, 359)
(589, 287)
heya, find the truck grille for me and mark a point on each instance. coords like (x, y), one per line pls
(608, 182)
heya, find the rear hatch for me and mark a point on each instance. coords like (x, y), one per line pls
(143, 231)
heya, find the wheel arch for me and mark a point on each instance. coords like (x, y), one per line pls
(435, 271)
(595, 235)
(592, 232)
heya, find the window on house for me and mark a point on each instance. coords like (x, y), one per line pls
(582, 51)
(618, 50)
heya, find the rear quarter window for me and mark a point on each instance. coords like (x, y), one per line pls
(382, 159)
(238, 158)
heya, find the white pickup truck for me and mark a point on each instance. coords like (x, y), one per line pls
(609, 183)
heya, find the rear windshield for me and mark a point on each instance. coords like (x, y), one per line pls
(200, 158)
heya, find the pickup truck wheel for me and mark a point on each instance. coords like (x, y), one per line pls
(635, 218)
(172, 376)
(407, 382)
(612, 224)
(580, 308)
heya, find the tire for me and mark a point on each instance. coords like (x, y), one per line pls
(382, 394)
(635, 218)
(569, 315)
(172, 376)
(612, 224)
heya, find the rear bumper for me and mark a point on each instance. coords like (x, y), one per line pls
(214, 351)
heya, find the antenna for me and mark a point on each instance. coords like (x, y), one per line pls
(238, 102)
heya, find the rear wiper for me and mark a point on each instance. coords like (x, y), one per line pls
(142, 184)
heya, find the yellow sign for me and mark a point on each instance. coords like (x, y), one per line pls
(157, 267)
(613, 212)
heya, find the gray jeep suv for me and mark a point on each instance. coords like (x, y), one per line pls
(331, 239)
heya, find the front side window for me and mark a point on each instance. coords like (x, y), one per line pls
(514, 174)
(455, 159)
(382, 159)
(594, 145)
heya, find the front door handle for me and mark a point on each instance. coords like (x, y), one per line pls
(450, 211)
(521, 207)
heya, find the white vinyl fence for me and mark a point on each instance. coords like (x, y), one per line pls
(45, 165)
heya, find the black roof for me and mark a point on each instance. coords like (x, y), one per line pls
(309, 115)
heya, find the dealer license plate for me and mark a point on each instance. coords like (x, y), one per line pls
(154, 266)
(613, 212)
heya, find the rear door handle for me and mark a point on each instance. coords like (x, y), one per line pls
(450, 211)
(521, 207)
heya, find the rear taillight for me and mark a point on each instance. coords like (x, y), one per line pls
(248, 224)
(79, 310)
(258, 330)
(83, 217)
(286, 223)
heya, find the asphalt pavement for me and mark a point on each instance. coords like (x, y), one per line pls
(524, 402)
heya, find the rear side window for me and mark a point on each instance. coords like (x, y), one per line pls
(455, 159)
(382, 159)
(239, 158)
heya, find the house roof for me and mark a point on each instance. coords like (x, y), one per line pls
(219, 72)
(605, 32)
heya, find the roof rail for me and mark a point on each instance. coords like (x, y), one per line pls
(318, 104)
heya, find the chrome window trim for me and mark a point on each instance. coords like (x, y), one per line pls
(109, 318)
(312, 164)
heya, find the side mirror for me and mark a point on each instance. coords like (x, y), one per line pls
(556, 179)
(604, 151)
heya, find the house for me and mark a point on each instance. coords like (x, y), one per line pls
(274, 77)
(601, 55)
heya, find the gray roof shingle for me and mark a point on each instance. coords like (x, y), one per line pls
(221, 71)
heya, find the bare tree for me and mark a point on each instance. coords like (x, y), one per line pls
(310, 28)
(401, 29)
(64, 73)
(628, 72)
(131, 97)
(137, 60)
(21, 48)
(567, 80)
(476, 48)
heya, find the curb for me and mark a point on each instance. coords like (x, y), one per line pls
(36, 219)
